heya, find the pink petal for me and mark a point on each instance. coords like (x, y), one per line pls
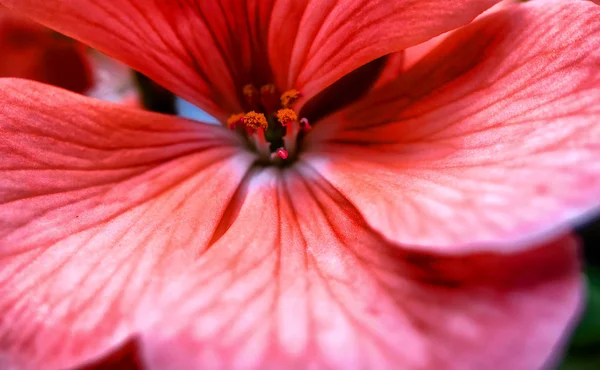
(492, 138)
(201, 50)
(394, 66)
(296, 281)
(206, 51)
(95, 200)
(115, 222)
(314, 43)
(125, 357)
(417, 52)
(414, 54)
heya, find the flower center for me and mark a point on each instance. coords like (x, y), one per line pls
(271, 125)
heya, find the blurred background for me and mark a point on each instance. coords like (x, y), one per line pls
(29, 50)
(584, 348)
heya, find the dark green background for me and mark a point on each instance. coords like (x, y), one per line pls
(584, 350)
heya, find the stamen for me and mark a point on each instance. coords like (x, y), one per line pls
(304, 125)
(268, 89)
(271, 126)
(234, 120)
(290, 97)
(251, 95)
(262, 146)
(269, 98)
(291, 134)
(255, 120)
(286, 116)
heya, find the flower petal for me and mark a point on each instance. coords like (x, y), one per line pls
(95, 200)
(492, 137)
(116, 222)
(314, 43)
(205, 51)
(297, 281)
(200, 50)
(125, 357)
(414, 54)
(394, 66)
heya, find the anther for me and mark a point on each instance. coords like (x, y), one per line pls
(304, 125)
(234, 120)
(282, 153)
(289, 98)
(269, 98)
(255, 121)
(267, 89)
(286, 116)
(251, 95)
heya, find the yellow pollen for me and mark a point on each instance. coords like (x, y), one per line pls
(285, 116)
(255, 120)
(249, 91)
(290, 97)
(234, 119)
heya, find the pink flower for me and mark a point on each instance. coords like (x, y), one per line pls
(419, 226)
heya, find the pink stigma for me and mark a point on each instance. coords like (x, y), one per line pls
(282, 153)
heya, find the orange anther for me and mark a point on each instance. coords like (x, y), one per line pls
(234, 120)
(250, 91)
(255, 120)
(290, 97)
(252, 96)
(286, 116)
(268, 89)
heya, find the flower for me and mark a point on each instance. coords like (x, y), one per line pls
(422, 224)
(32, 51)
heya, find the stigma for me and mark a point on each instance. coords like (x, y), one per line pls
(270, 125)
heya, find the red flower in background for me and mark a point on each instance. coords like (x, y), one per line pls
(30, 50)
(416, 225)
